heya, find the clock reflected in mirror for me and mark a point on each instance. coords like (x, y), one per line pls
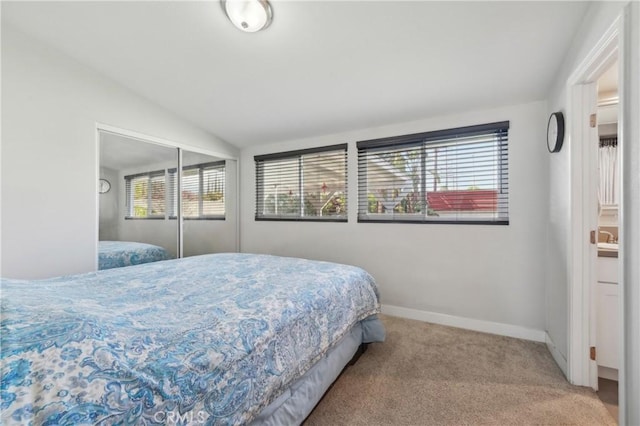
(104, 186)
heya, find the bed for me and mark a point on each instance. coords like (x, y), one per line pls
(116, 254)
(214, 339)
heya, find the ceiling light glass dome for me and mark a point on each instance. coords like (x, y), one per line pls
(248, 15)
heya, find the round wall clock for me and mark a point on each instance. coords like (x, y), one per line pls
(555, 132)
(104, 186)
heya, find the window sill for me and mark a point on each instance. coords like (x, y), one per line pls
(300, 219)
(380, 218)
(144, 218)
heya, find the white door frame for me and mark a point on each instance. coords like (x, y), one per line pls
(626, 31)
(582, 100)
(580, 368)
(629, 381)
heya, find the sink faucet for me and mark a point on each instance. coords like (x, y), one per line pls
(610, 237)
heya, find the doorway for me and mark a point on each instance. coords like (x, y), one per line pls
(595, 291)
(606, 315)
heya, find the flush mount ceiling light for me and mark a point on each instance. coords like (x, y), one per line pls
(248, 15)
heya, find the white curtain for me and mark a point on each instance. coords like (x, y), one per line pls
(608, 162)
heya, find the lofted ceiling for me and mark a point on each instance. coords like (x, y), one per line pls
(322, 67)
(139, 153)
(143, 155)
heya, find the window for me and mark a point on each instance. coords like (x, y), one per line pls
(302, 185)
(447, 176)
(145, 194)
(202, 191)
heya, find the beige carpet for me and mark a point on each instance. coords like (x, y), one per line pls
(426, 374)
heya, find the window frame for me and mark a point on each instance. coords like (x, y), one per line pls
(422, 141)
(201, 167)
(129, 195)
(259, 161)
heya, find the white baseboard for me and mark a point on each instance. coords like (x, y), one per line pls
(608, 373)
(556, 354)
(466, 323)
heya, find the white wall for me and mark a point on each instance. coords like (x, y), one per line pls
(109, 205)
(599, 18)
(486, 272)
(50, 107)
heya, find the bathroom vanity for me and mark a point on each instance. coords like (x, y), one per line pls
(608, 322)
(607, 290)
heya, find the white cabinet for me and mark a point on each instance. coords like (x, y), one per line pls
(607, 270)
(608, 324)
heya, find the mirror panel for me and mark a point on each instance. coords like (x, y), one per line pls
(140, 204)
(207, 221)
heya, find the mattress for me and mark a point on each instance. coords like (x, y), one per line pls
(116, 254)
(212, 339)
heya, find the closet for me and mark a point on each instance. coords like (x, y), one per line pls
(178, 199)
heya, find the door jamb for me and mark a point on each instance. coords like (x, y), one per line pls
(580, 368)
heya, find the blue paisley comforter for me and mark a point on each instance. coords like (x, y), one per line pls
(203, 340)
(115, 254)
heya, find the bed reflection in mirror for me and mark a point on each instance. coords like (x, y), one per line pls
(137, 213)
(141, 206)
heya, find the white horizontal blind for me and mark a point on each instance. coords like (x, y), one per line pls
(203, 195)
(145, 195)
(157, 195)
(302, 185)
(449, 176)
(191, 192)
(172, 194)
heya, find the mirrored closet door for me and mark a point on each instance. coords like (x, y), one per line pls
(145, 217)
(135, 201)
(205, 206)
